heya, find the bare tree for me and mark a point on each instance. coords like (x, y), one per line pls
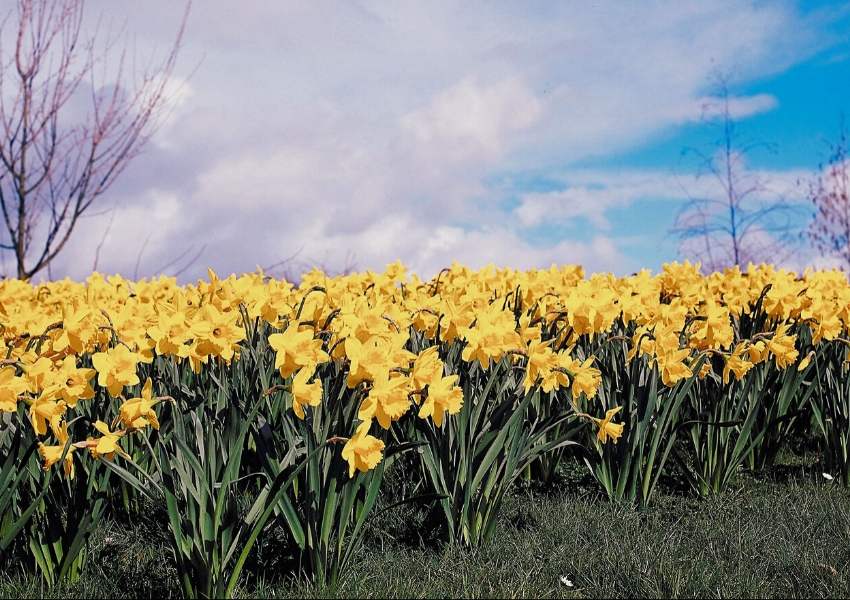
(181, 263)
(56, 159)
(740, 220)
(829, 193)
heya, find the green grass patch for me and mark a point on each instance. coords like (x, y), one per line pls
(781, 536)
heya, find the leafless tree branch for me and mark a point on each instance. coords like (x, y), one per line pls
(744, 221)
(56, 164)
(139, 256)
(829, 193)
(191, 261)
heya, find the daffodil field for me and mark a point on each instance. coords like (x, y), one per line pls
(234, 404)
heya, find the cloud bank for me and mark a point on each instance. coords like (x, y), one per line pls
(380, 131)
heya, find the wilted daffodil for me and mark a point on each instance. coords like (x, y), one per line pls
(362, 451)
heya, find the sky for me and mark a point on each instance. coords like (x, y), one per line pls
(523, 134)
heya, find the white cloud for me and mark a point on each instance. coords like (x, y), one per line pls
(472, 121)
(740, 107)
(116, 239)
(504, 247)
(591, 194)
(377, 128)
(177, 92)
(426, 250)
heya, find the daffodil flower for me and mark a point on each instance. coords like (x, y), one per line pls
(363, 452)
(607, 429)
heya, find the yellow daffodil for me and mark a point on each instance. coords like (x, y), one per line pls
(426, 368)
(11, 387)
(303, 393)
(53, 454)
(137, 413)
(735, 363)
(387, 401)
(45, 410)
(362, 451)
(296, 348)
(107, 445)
(74, 382)
(781, 346)
(607, 429)
(116, 368)
(444, 396)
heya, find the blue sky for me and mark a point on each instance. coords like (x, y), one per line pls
(811, 99)
(518, 133)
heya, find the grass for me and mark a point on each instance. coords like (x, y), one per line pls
(785, 536)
